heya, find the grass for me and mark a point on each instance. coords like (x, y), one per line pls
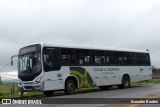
(33, 93)
(146, 82)
(6, 91)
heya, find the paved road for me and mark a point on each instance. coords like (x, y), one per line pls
(133, 92)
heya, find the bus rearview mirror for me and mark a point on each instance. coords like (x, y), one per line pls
(12, 59)
(11, 62)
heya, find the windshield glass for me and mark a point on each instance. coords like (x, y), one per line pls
(29, 64)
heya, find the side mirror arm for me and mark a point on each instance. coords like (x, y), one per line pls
(12, 59)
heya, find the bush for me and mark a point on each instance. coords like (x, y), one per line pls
(156, 71)
(1, 94)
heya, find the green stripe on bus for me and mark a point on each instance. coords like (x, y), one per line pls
(85, 80)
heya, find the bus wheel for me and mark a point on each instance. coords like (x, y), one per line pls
(48, 93)
(104, 87)
(70, 87)
(125, 82)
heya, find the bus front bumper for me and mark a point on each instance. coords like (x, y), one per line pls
(30, 86)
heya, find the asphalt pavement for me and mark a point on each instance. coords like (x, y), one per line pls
(88, 98)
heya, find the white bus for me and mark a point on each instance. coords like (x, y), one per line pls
(47, 67)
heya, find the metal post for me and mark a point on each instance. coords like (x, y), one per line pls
(13, 88)
(0, 80)
(11, 91)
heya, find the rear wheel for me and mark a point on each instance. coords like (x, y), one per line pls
(125, 82)
(49, 93)
(70, 87)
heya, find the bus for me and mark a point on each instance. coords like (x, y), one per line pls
(49, 67)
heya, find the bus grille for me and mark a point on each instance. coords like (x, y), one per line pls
(28, 87)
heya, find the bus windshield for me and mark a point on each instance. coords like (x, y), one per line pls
(29, 64)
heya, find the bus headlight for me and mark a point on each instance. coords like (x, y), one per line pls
(19, 82)
(38, 80)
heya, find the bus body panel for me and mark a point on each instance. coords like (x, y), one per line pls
(55, 80)
(100, 75)
(87, 76)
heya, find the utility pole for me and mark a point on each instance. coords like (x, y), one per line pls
(0, 80)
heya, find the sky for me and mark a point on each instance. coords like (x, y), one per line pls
(133, 24)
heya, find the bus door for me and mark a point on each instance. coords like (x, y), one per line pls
(52, 66)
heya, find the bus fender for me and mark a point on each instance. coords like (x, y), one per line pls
(125, 74)
(72, 77)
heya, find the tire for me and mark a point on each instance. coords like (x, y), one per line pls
(104, 87)
(70, 87)
(125, 82)
(48, 93)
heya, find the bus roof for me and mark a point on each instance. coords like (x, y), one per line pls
(93, 47)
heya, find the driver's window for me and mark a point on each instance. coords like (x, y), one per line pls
(51, 59)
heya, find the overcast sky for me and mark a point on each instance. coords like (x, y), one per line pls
(107, 23)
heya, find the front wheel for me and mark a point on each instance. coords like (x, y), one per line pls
(70, 87)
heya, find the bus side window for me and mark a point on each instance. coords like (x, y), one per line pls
(137, 59)
(107, 59)
(56, 60)
(81, 61)
(113, 58)
(51, 59)
(98, 57)
(145, 59)
(68, 56)
(124, 58)
(83, 56)
(131, 58)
